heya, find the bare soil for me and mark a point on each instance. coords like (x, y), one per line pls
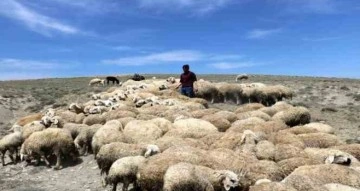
(332, 100)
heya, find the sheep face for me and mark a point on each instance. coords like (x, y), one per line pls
(151, 150)
(46, 120)
(140, 103)
(229, 180)
(338, 159)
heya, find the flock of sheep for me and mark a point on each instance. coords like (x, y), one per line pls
(146, 134)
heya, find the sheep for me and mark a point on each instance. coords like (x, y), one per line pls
(203, 112)
(273, 186)
(286, 151)
(252, 123)
(294, 116)
(10, 143)
(309, 177)
(138, 131)
(84, 138)
(320, 140)
(166, 142)
(249, 107)
(321, 127)
(219, 122)
(265, 150)
(76, 108)
(286, 138)
(164, 124)
(49, 141)
(207, 91)
(32, 127)
(124, 171)
(151, 175)
(25, 120)
(353, 149)
(185, 176)
(191, 128)
(330, 156)
(96, 81)
(230, 116)
(228, 140)
(241, 77)
(119, 113)
(171, 80)
(261, 169)
(260, 114)
(74, 128)
(108, 133)
(230, 92)
(287, 166)
(94, 119)
(109, 153)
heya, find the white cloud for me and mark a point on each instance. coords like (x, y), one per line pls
(123, 48)
(226, 57)
(232, 65)
(262, 33)
(197, 6)
(158, 58)
(320, 39)
(10, 64)
(33, 20)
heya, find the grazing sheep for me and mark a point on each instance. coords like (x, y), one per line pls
(287, 166)
(286, 151)
(191, 128)
(286, 138)
(330, 156)
(108, 133)
(294, 116)
(109, 153)
(84, 138)
(207, 90)
(138, 131)
(230, 116)
(251, 123)
(96, 81)
(307, 178)
(74, 128)
(261, 169)
(241, 77)
(167, 142)
(49, 141)
(230, 92)
(185, 176)
(124, 171)
(203, 112)
(10, 143)
(248, 114)
(265, 150)
(119, 113)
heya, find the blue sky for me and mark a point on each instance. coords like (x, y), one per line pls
(63, 38)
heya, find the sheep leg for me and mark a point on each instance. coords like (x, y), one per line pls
(86, 150)
(42, 155)
(58, 161)
(3, 158)
(11, 153)
(114, 187)
(125, 186)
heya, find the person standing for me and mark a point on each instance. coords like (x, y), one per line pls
(187, 80)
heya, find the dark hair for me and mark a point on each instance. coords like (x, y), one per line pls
(186, 66)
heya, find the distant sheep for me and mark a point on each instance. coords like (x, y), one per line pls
(294, 116)
(241, 77)
(171, 80)
(96, 81)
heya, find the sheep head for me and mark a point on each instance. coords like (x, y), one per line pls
(249, 136)
(338, 159)
(151, 150)
(228, 179)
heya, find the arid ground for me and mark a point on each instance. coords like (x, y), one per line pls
(332, 100)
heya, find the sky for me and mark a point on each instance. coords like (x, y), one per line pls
(67, 38)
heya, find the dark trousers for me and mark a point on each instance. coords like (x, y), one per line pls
(188, 91)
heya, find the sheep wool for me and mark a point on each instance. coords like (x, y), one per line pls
(138, 131)
(191, 128)
(10, 143)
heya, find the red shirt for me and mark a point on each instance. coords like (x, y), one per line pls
(187, 79)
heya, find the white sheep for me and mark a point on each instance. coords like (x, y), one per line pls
(10, 143)
(97, 81)
(124, 171)
(185, 176)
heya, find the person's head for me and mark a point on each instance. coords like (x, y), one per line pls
(186, 68)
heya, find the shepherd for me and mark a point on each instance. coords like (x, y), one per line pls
(187, 80)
